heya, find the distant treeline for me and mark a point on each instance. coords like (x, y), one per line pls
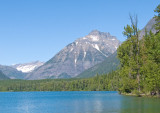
(98, 83)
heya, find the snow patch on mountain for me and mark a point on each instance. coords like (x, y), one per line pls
(84, 54)
(27, 67)
(94, 38)
(71, 50)
(96, 47)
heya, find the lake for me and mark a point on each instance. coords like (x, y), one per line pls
(76, 102)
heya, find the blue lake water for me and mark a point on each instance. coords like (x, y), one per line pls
(75, 102)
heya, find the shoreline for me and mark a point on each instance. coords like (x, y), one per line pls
(139, 95)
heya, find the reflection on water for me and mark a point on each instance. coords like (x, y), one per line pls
(75, 102)
(25, 104)
(140, 105)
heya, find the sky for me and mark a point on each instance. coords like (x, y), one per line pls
(32, 30)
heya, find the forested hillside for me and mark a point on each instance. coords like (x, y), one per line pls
(110, 64)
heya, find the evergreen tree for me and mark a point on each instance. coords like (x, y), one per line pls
(157, 17)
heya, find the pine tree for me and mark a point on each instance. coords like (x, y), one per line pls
(157, 17)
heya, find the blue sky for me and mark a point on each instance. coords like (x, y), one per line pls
(33, 30)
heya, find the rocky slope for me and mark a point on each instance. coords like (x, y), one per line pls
(78, 56)
(3, 76)
(149, 27)
(11, 72)
(109, 64)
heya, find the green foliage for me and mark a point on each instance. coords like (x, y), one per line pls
(151, 63)
(140, 61)
(128, 31)
(157, 17)
(98, 83)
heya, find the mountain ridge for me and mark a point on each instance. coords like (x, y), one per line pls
(148, 27)
(78, 56)
(12, 73)
(3, 76)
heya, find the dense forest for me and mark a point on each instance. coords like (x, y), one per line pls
(138, 73)
(140, 60)
(97, 83)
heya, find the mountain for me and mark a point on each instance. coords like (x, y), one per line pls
(78, 56)
(109, 64)
(11, 72)
(27, 67)
(3, 76)
(149, 27)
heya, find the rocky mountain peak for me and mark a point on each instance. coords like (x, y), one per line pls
(94, 32)
(96, 36)
(98, 33)
(78, 56)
